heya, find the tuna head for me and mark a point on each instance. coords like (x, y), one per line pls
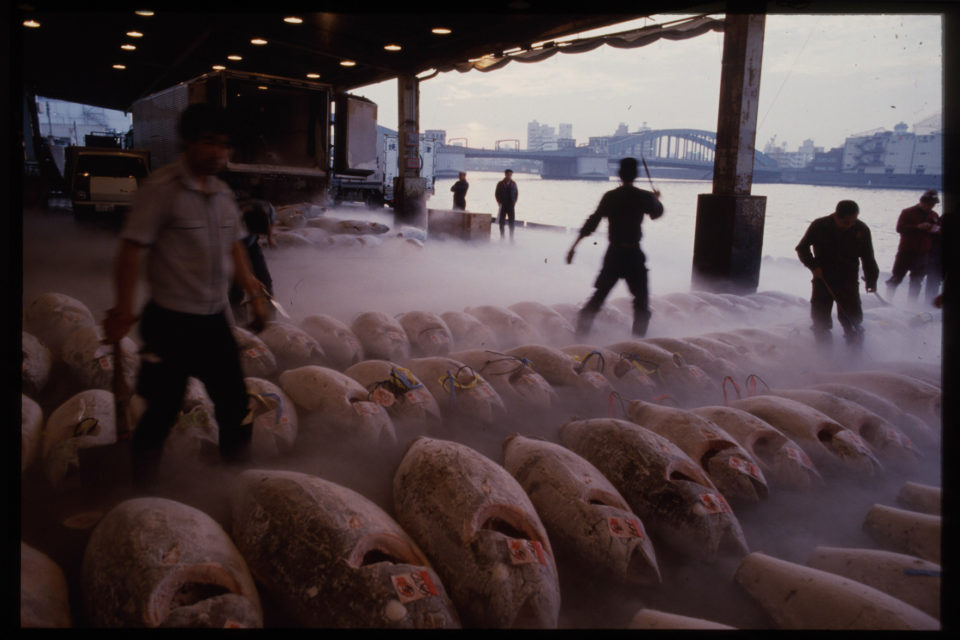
(381, 336)
(623, 375)
(428, 334)
(154, 562)
(585, 516)
(515, 379)
(335, 338)
(461, 392)
(398, 390)
(508, 326)
(332, 558)
(481, 532)
(663, 486)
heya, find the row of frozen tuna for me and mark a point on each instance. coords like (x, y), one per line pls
(475, 543)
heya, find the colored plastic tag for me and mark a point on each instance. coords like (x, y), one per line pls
(413, 586)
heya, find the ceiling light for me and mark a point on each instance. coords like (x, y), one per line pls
(347, 63)
(440, 31)
(392, 47)
(145, 14)
(119, 66)
(313, 76)
(134, 34)
(33, 24)
(128, 47)
(258, 41)
(293, 20)
(218, 67)
(234, 57)
(262, 87)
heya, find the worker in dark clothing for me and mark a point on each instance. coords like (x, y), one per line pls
(624, 208)
(506, 195)
(459, 190)
(840, 243)
(259, 217)
(917, 226)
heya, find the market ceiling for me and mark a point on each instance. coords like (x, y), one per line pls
(113, 55)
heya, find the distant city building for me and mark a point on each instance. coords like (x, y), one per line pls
(622, 130)
(68, 123)
(897, 151)
(437, 135)
(564, 130)
(541, 137)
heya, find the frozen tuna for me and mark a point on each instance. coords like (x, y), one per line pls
(405, 397)
(829, 444)
(332, 558)
(274, 418)
(888, 442)
(468, 332)
(653, 619)
(914, 580)
(509, 327)
(482, 534)
(905, 531)
(920, 497)
(31, 431)
(338, 405)
(515, 379)
(91, 361)
(622, 375)
(335, 338)
(716, 367)
(555, 329)
(44, 597)
(911, 394)
(382, 337)
(730, 466)
(36, 364)
(609, 322)
(428, 334)
(153, 562)
(256, 359)
(799, 597)
(565, 374)
(669, 492)
(587, 519)
(683, 381)
(52, 317)
(780, 458)
(462, 393)
(87, 419)
(292, 346)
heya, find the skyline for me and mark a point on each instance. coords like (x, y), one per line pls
(884, 69)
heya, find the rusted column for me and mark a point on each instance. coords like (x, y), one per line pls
(729, 230)
(408, 193)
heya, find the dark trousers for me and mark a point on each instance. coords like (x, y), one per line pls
(907, 261)
(505, 214)
(849, 310)
(628, 263)
(178, 346)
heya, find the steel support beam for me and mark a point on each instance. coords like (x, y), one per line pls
(409, 193)
(729, 229)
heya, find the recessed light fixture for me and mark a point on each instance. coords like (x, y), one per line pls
(258, 41)
(392, 47)
(218, 67)
(262, 87)
(119, 66)
(128, 47)
(440, 31)
(347, 63)
(145, 13)
(293, 20)
(134, 34)
(33, 24)
(234, 57)
(313, 76)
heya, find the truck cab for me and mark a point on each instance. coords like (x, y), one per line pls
(104, 180)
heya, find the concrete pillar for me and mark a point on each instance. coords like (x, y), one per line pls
(728, 240)
(409, 193)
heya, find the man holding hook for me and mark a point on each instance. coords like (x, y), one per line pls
(624, 208)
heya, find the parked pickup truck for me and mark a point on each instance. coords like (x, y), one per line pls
(104, 180)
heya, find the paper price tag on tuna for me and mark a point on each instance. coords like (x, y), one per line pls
(484, 391)
(796, 454)
(416, 396)
(624, 527)
(714, 503)
(438, 337)
(366, 408)
(105, 363)
(383, 397)
(696, 372)
(413, 586)
(526, 552)
(396, 337)
(744, 466)
(596, 379)
(851, 437)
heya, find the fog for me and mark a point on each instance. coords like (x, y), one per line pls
(438, 275)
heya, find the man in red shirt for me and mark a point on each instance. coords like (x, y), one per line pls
(917, 226)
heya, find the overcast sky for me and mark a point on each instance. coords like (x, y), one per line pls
(824, 77)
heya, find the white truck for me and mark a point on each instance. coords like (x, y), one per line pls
(103, 181)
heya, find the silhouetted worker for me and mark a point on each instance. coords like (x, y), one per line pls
(187, 223)
(459, 189)
(624, 208)
(506, 194)
(840, 243)
(917, 225)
